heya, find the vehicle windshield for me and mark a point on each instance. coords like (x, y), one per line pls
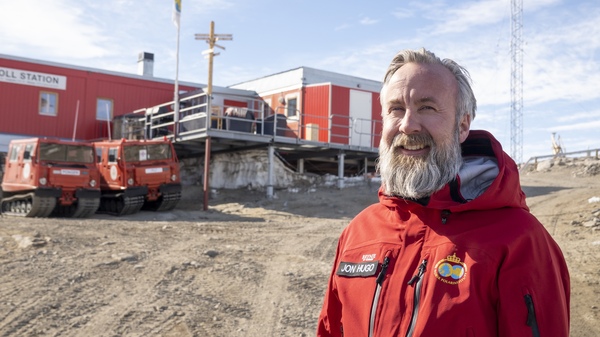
(66, 153)
(137, 153)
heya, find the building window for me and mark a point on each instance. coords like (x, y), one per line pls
(104, 109)
(267, 109)
(291, 107)
(48, 103)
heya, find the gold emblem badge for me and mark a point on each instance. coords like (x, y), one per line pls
(450, 270)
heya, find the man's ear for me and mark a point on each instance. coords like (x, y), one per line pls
(463, 127)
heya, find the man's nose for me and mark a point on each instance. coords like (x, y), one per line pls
(410, 123)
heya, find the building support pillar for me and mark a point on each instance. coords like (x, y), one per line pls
(206, 177)
(300, 167)
(340, 180)
(270, 173)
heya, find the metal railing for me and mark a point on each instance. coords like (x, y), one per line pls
(194, 120)
(595, 153)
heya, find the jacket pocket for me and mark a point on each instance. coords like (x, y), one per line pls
(531, 318)
(377, 295)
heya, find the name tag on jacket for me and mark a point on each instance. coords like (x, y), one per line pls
(362, 269)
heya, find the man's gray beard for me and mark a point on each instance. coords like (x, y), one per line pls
(418, 177)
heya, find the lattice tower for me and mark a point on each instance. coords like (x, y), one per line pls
(516, 81)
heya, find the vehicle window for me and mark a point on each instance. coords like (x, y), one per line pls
(52, 152)
(99, 154)
(66, 153)
(135, 153)
(14, 152)
(28, 152)
(80, 153)
(159, 151)
(112, 155)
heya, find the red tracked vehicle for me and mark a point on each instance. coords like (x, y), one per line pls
(50, 177)
(136, 174)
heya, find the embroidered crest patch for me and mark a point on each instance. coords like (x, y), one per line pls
(363, 269)
(450, 270)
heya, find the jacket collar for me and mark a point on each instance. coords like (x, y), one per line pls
(488, 179)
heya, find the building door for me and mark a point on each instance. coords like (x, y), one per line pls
(360, 118)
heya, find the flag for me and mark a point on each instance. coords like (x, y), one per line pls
(177, 12)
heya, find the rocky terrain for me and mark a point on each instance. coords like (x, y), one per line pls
(246, 267)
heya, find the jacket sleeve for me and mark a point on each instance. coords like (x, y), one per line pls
(330, 319)
(533, 286)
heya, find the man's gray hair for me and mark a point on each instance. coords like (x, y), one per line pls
(465, 102)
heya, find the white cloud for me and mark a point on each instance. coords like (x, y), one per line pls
(569, 116)
(368, 21)
(591, 125)
(402, 13)
(342, 27)
(462, 18)
(54, 27)
(208, 5)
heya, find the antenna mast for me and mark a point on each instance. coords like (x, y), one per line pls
(516, 81)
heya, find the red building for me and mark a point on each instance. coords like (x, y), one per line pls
(323, 106)
(40, 98)
(304, 113)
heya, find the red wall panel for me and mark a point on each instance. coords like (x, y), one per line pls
(316, 111)
(19, 102)
(377, 122)
(340, 115)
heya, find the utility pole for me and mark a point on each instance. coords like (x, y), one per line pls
(211, 39)
(516, 81)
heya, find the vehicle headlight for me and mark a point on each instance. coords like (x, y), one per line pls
(43, 181)
(130, 181)
(173, 177)
(93, 183)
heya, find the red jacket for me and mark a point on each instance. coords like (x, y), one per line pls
(455, 268)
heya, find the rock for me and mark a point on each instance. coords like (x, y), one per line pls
(544, 165)
(211, 253)
(592, 223)
(38, 242)
(125, 257)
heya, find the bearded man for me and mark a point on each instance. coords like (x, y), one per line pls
(451, 248)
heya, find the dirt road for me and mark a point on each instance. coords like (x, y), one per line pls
(246, 267)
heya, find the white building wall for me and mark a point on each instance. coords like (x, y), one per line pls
(298, 77)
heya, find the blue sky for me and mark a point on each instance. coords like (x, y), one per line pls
(561, 69)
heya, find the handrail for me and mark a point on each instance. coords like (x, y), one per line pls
(160, 121)
(536, 158)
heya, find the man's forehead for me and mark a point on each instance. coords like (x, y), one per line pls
(421, 81)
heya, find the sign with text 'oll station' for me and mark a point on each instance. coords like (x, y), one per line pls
(25, 77)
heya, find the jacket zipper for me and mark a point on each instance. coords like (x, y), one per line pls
(418, 278)
(531, 319)
(379, 282)
(445, 214)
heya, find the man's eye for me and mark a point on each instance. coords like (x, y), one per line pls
(426, 107)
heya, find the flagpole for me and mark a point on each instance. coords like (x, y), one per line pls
(176, 93)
